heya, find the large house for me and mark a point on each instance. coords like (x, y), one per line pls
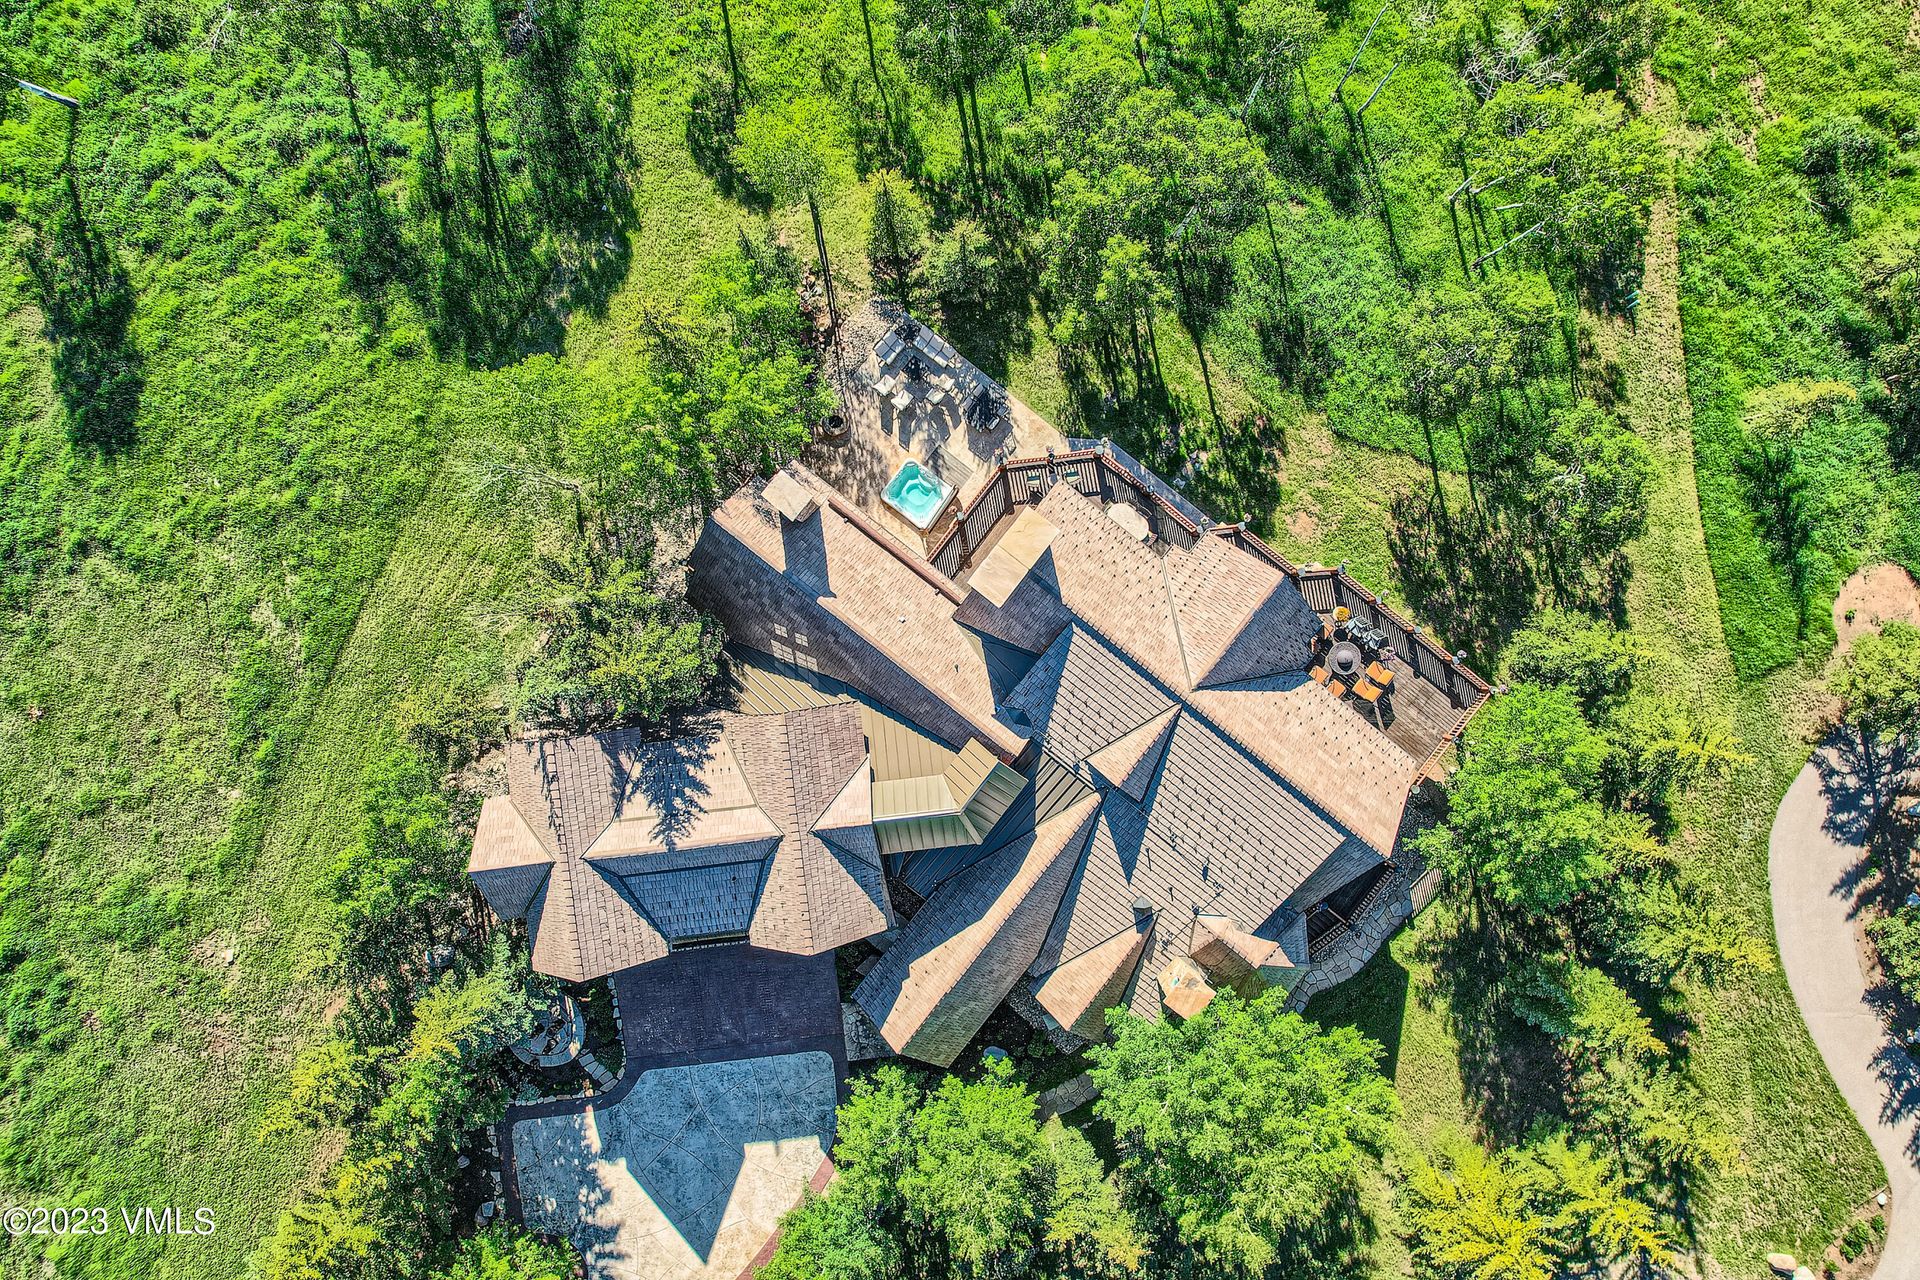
(1088, 750)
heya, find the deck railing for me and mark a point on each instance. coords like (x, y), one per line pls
(1103, 473)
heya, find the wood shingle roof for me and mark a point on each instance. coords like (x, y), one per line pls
(651, 844)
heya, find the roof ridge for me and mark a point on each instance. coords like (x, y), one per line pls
(1179, 632)
(1125, 755)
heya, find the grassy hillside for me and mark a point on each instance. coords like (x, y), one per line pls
(250, 406)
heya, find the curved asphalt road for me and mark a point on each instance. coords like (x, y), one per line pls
(1812, 857)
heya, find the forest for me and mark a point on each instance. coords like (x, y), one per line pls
(369, 364)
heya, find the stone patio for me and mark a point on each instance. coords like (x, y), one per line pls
(879, 439)
(686, 1175)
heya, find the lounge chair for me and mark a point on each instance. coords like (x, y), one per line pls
(1369, 692)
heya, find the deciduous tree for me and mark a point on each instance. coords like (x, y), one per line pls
(1242, 1123)
(1878, 684)
(1525, 826)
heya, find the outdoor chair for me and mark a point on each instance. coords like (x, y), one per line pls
(1338, 689)
(1369, 692)
(1380, 675)
(900, 402)
(1320, 675)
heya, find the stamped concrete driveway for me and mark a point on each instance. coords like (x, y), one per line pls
(1814, 862)
(688, 1173)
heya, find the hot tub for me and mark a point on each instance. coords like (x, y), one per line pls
(918, 494)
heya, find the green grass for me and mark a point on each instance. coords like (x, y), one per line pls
(1805, 1163)
(206, 634)
(1769, 295)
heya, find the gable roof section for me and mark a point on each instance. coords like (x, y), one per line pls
(640, 862)
(1130, 761)
(1082, 695)
(698, 902)
(828, 594)
(1077, 994)
(1240, 616)
(962, 953)
(509, 862)
(1229, 635)
(851, 809)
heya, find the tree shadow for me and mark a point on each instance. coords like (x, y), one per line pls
(994, 332)
(1513, 1075)
(499, 238)
(87, 304)
(1466, 572)
(1372, 1002)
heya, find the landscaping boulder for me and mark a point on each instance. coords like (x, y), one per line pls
(1783, 1263)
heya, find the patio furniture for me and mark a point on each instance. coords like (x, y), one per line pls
(1337, 689)
(889, 348)
(886, 386)
(1380, 675)
(936, 395)
(1369, 692)
(901, 401)
(1344, 659)
(1319, 675)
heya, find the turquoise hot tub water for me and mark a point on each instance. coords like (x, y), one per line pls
(917, 494)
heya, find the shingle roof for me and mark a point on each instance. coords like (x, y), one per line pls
(1196, 618)
(653, 843)
(1078, 993)
(509, 862)
(960, 956)
(1211, 830)
(828, 594)
(1130, 761)
(1214, 778)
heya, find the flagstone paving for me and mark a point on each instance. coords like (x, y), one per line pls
(688, 1173)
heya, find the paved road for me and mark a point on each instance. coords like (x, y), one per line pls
(1814, 852)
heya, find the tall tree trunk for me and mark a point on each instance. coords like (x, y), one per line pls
(966, 143)
(1206, 375)
(826, 271)
(483, 163)
(1153, 346)
(1466, 462)
(1433, 465)
(367, 167)
(979, 134)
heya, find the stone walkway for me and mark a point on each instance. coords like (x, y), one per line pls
(1062, 1098)
(687, 1175)
(1815, 854)
(1404, 892)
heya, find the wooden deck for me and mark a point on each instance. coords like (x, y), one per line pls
(1417, 715)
